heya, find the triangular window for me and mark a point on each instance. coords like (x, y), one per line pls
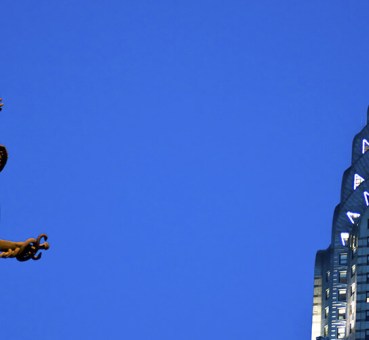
(352, 216)
(365, 146)
(357, 181)
(344, 239)
(366, 196)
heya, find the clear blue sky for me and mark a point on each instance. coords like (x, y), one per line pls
(185, 158)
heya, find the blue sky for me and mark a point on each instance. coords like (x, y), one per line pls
(185, 159)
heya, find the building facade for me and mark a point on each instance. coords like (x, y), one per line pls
(341, 274)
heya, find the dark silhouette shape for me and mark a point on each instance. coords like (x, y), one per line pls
(29, 249)
(24, 251)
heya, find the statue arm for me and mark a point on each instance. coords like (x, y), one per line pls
(24, 251)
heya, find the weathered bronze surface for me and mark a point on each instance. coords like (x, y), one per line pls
(22, 251)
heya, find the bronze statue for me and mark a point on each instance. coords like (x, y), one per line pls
(22, 251)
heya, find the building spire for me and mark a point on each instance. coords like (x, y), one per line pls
(339, 301)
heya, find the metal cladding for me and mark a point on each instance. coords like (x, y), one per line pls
(341, 275)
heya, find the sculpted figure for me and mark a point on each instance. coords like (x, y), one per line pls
(24, 251)
(3, 156)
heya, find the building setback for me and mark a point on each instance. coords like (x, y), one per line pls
(341, 274)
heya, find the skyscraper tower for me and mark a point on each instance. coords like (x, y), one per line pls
(341, 274)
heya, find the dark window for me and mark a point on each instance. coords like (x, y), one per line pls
(343, 258)
(367, 277)
(366, 334)
(342, 294)
(367, 315)
(367, 241)
(328, 275)
(343, 276)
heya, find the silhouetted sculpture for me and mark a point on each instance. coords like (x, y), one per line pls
(3, 156)
(22, 251)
